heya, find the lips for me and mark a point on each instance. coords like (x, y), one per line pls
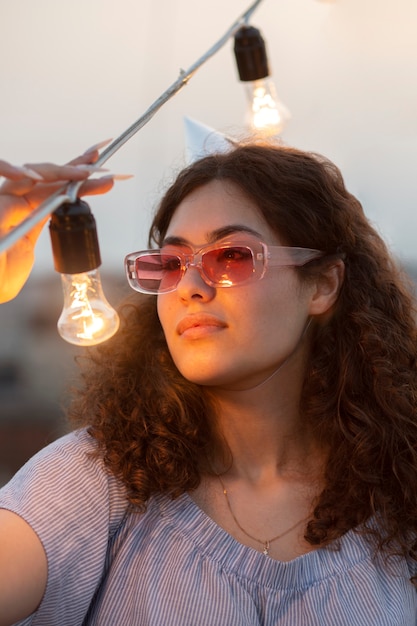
(199, 324)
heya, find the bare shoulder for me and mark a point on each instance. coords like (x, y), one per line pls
(23, 568)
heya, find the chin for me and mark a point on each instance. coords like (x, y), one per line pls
(204, 381)
(215, 379)
(199, 375)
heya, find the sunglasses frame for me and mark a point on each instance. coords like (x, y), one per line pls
(263, 256)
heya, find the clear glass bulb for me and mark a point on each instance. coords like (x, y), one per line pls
(87, 318)
(267, 114)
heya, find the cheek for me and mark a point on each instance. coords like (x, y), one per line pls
(160, 308)
(164, 311)
(283, 308)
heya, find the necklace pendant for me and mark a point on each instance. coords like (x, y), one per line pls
(266, 548)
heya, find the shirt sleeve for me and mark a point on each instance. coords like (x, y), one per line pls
(74, 505)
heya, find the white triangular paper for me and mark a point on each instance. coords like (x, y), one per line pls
(201, 140)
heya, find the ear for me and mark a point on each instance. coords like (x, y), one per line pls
(327, 288)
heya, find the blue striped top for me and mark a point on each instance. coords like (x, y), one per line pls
(173, 566)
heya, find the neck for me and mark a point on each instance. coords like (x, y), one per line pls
(264, 450)
(263, 428)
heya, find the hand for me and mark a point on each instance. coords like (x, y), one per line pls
(23, 190)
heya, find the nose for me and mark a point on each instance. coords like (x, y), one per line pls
(193, 285)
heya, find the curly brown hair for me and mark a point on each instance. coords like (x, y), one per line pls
(157, 430)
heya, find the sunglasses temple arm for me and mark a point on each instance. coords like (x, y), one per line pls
(287, 257)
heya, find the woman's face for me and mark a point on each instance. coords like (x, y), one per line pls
(233, 337)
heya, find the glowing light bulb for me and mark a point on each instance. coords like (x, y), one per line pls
(87, 317)
(267, 114)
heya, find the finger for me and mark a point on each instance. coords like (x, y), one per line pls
(101, 185)
(49, 174)
(94, 186)
(98, 146)
(91, 154)
(85, 159)
(15, 172)
(17, 187)
(52, 173)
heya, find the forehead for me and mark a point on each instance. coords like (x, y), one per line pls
(215, 207)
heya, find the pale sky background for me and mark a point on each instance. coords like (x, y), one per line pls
(77, 72)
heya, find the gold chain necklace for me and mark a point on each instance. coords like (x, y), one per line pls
(264, 542)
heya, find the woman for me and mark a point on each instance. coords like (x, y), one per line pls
(247, 450)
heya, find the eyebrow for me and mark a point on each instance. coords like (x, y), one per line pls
(215, 235)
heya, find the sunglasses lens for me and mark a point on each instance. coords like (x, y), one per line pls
(158, 272)
(229, 265)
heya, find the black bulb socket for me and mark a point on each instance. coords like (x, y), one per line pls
(74, 238)
(250, 54)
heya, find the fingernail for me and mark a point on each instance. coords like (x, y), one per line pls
(27, 171)
(91, 168)
(122, 176)
(114, 177)
(99, 145)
